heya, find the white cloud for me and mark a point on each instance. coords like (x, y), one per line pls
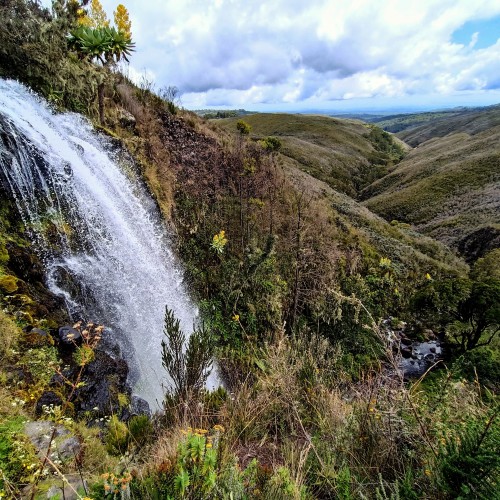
(240, 52)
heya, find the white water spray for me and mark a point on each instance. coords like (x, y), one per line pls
(110, 256)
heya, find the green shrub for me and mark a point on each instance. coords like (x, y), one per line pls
(140, 429)
(18, 460)
(469, 463)
(483, 363)
(41, 363)
(117, 438)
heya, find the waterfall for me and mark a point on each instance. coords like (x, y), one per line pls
(96, 228)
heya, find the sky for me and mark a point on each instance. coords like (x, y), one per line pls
(338, 55)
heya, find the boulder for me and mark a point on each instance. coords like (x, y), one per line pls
(126, 119)
(64, 446)
(69, 336)
(48, 398)
(139, 406)
(104, 379)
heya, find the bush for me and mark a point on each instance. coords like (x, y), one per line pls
(470, 463)
(483, 363)
(188, 370)
(117, 438)
(140, 429)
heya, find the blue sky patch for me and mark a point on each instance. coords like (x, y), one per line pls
(489, 32)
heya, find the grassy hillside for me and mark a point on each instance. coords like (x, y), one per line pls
(400, 122)
(448, 187)
(341, 152)
(470, 121)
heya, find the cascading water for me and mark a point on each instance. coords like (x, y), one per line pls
(96, 228)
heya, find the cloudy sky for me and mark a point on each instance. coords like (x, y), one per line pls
(319, 54)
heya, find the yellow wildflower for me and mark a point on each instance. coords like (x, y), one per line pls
(219, 241)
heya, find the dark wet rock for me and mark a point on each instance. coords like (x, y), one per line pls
(405, 341)
(48, 398)
(68, 171)
(69, 336)
(406, 352)
(104, 379)
(139, 406)
(423, 356)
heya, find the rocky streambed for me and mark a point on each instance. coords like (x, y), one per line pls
(414, 357)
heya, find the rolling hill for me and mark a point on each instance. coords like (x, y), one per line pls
(341, 152)
(448, 187)
(471, 122)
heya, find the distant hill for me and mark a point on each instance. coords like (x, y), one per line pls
(346, 154)
(400, 122)
(221, 113)
(471, 121)
(449, 186)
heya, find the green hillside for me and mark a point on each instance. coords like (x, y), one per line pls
(342, 152)
(469, 121)
(448, 187)
(400, 122)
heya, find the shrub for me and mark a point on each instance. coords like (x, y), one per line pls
(117, 438)
(243, 127)
(469, 463)
(188, 370)
(140, 429)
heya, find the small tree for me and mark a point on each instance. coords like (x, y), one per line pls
(107, 45)
(189, 368)
(243, 127)
(478, 316)
(469, 310)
